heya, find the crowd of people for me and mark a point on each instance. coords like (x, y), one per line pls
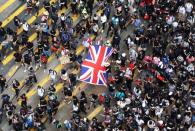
(151, 83)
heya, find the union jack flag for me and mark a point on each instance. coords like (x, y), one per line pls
(93, 70)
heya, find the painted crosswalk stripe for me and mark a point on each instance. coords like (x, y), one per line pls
(31, 38)
(13, 70)
(95, 112)
(7, 4)
(45, 80)
(33, 18)
(41, 83)
(11, 17)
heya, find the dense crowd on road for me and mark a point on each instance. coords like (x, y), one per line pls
(151, 83)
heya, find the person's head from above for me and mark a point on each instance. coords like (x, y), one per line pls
(52, 85)
(82, 93)
(94, 119)
(42, 99)
(14, 81)
(50, 70)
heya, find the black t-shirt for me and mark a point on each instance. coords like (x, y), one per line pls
(46, 47)
(72, 57)
(69, 92)
(43, 102)
(2, 31)
(18, 57)
(24, 39)
(16, 22)
(29, 45)
(2, 81)
(72, 78)
(141, 55)
(54, 8)
(36, 57)
(83, 99)
(27, 59)
(16, 85)
(116, 39)
(121, 21)
(40, 46)
(123, 60)
(158, 26)
(151, 33)
(77, 120)
(23, 98)
(165, 28)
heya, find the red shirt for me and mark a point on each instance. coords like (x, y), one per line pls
(149, 79)
(160, 77)
(148, 2)
(146, 17)
(131, 66)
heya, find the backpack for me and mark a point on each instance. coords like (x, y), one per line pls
(44, 59)
(49, 109)
(17, 84)
(58, 125)
(107, 10)
(6, 98)
(65, 37)
(69, 21)
(69, 92)
(67, 125)
(107, 100)
(101, 99)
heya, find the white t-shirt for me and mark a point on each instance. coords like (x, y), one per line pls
(95, 28)
(133, 54)
(64, 76)
(190, 67)
(85, 43)
(144, 103)
(75, 107)
(170, 19)
(53, 74)
(188, 7)
(64, 52)
(25, 26)
(40, 92)
(191, 19)
(191, 128)
(182, 10)
(175, 24)
(62, 18)
(103, 19)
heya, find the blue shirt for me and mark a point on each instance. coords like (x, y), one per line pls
(137, 23)
(115, 21)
